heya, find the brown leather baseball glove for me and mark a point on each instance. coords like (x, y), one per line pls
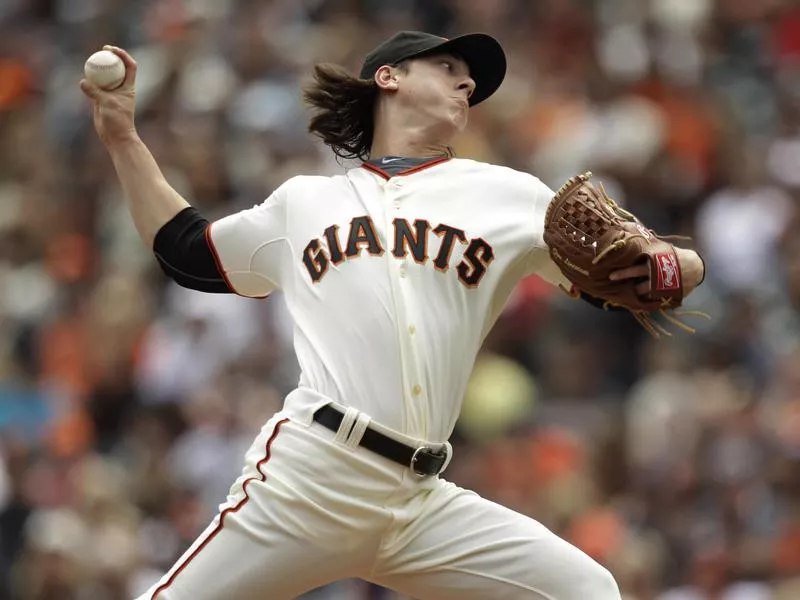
(589, 237)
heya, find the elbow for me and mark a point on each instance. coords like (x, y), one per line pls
(185, 255)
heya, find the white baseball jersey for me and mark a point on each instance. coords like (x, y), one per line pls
(392, 281)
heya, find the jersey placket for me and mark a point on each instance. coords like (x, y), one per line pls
(402, 285)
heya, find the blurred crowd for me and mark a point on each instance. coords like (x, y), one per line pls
(126, 403)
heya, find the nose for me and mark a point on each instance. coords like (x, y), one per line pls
(468, 85)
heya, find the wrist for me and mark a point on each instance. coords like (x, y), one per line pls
(122, 141)
(693, 268)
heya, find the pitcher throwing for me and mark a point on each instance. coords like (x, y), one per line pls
(393, 272)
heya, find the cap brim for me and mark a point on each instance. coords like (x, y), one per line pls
(486, 60)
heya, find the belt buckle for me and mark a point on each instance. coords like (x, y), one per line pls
(415, 458)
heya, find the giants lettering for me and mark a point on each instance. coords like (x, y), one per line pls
(477, 258)
(362, 234)
(409, 239)
(416, 240)
(449, 236)
(316, 260)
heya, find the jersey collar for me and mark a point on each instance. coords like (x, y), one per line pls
(392, 166)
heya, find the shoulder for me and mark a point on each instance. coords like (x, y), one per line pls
(499, 172)
(297, 189)
(300, 184)
(504, 178)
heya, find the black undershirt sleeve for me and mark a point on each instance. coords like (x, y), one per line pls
(184, 254)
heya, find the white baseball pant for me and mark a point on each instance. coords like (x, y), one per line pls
(310, 509)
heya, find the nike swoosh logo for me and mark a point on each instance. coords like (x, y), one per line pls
(386, 161)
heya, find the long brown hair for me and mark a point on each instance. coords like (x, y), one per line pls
(345, 106)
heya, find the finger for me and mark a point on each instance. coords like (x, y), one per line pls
(128, 61)
(630, 273)
(90, 89)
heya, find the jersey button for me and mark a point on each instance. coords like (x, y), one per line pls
(412, 330)
(403, 269)
(417, 390)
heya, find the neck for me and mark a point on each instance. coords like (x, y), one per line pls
(406, 144)
(408, 141)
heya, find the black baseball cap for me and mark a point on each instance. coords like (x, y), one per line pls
(482, 53)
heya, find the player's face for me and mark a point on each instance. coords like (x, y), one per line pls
(437, 88)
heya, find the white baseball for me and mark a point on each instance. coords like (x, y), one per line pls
(105, 69)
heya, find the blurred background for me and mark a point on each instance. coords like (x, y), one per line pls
(126, 403)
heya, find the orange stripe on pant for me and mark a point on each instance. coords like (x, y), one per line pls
(224, 513)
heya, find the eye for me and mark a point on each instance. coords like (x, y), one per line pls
(448, 65)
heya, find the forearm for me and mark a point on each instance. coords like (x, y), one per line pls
(151, 200)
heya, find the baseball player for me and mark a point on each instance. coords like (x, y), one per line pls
(393, 272)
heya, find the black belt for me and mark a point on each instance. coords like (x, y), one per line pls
(423, 461)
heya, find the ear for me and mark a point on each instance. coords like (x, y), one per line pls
(387, 78)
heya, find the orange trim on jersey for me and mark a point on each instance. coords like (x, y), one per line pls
(220, 268)
(426, 165)
(217, 259)
(376, 170)
(386, 175)
(262, 477)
